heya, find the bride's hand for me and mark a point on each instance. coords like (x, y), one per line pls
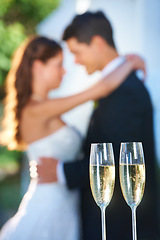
(47, 170)
(137, 62)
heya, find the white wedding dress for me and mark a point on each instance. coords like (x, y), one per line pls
(48, 211)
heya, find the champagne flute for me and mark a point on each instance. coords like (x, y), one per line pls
(132, 177)
(102, 177)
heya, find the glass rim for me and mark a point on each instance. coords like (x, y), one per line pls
(130, 142)
(100, 143)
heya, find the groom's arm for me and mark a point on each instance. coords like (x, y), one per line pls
(77, 173)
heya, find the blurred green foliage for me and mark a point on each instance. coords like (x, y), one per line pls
(18, 19)
(10, 37)
(9, 161)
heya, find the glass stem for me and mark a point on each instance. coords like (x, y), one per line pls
(103, 223)
(134, 231)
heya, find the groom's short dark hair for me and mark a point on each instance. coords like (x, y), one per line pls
(84, 27)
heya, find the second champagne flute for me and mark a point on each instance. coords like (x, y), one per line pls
(102, 177)
(132, 177)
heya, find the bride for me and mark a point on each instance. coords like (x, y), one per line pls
(33, 122)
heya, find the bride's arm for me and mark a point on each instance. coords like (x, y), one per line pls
(56, 107)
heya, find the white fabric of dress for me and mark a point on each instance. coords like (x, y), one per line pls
(48, 211)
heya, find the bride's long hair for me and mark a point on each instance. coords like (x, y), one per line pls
(18, 86)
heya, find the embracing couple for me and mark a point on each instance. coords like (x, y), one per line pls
(58, 204)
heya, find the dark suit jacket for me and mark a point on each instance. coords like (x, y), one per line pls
(123, 116)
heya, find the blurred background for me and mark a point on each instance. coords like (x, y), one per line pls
(136, 30)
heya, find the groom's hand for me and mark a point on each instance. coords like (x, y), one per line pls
(47, 170)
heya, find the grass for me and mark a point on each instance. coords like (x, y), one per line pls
(10, 192)
(10, 168)
(10, 197)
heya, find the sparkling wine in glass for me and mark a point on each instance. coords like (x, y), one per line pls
(102, 177)
(132, 177)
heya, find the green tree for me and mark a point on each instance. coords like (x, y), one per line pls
(18, 19)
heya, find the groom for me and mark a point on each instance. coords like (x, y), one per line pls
(124, 116)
